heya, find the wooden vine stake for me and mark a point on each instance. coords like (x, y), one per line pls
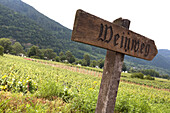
(118, 40)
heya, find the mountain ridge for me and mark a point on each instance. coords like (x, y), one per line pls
(62, 35)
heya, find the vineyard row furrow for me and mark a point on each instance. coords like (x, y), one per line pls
(91, 72)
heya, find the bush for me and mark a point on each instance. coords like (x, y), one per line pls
(165, 76)
(150, 72)
(1, 51)
(36, 57)
(137, 75)
(57, 59)
(149, 77)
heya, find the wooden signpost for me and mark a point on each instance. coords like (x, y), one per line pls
(118, 40)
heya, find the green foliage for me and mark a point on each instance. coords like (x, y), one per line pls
(18, 27)
(69, 57)
(36, 57)
(79, 62)
(17, 103)
(80, 91)
(133, 70)
(86, 60)
(1, 51)
(6, 44)
(150, 72)
(101, 63)
(29, 27)
(165, 76)
(137, 75)
(93, 63)
(149, 77)
(35, 52)
(36, 29)
(62, 56)
(49, 54)
(157, 83)
(17, 48)
(57, 59)
(124, 67)
(11, 82)
(160, 63)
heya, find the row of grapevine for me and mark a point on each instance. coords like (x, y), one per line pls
(79, 90)
(98, 72)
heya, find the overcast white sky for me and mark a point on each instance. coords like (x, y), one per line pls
(150, 18)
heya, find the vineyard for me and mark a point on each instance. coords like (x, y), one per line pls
(28, 86)
(126, 77)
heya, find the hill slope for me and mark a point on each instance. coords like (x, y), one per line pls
(160, 63)
(42, 20)
(62, 35)
(20, 28)
(165, 53)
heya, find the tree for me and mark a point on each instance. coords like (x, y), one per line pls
(6, 44)
(150, 72)
(137, 75)
(84, 63)
(17, 48)
(79, 62)
(69, 57)
(148, 77)
(40, 54)
(132, 70)
(93, 63)
(124, 67)
(32, 51)
(62, 56)
(35, 52)
(57, 59)
(101, 63)
(49, 54)
(1, 50)
(86, 60)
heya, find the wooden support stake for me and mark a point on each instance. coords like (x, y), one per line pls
(111, 77)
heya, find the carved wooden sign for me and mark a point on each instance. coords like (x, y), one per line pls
(95, 31)
(118, 40)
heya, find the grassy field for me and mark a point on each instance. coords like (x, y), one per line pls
(28, 86)
(157, 83)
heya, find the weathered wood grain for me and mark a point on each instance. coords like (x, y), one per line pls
(111, 77)
(95, 31)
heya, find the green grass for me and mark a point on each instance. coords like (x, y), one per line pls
(78, 92)
(17, 103)
(72, 65)
(157, 83)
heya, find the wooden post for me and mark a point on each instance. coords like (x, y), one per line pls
(118, 40)
(111, 77)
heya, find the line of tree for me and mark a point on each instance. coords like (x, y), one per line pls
(149, 72)
(68, 57)
(7, 47)
(16, 48)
